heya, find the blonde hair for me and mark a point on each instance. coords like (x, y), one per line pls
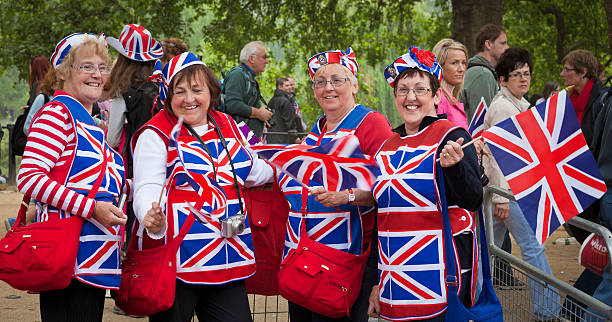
(90, 47)
(441, 50)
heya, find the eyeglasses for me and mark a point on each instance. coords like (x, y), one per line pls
(336, 82)
(519, 74)
(567, 70)
(91, 69)
(419, 91)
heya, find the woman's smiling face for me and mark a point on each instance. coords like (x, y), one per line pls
(413, 108)
(191, 98)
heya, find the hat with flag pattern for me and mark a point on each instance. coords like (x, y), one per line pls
(136, 43)
(175, 65)
(73, 40)
(346, 59)
(414, 58)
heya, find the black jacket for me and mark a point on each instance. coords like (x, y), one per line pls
(284, 119)
(588, 119)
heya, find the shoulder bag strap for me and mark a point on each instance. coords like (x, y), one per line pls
(452, 276)
(21, 215)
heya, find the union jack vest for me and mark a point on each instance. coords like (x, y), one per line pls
(98, 260)
(339, 227)
(205, 257)
(411, 262)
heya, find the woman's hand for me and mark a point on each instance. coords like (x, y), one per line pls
(451, 153)
(330, 198)
(501, 211)
(374, 304)
(154, 219)
(109, 215)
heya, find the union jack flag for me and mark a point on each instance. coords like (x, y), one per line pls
(209, 252)
(337, 165)
(194, 172)
(477, 124)
(401, 172)
(139, 44)
(545, 159)
(421, 279)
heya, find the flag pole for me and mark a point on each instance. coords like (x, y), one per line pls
(569, 88)
(466, 145)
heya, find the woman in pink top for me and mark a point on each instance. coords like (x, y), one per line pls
(452, 56)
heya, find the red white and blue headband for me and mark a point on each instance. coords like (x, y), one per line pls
(175, 65)
(136, 43)
(346, 59)
(74, 40)
(414, 58)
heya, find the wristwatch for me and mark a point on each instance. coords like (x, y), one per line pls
(351, 195)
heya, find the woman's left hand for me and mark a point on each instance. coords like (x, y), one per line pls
(330, 198)
(451, 153)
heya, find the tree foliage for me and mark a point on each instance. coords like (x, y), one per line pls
(378, 31)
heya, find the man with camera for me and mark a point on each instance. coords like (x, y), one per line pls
(243, 99)
(286, 117)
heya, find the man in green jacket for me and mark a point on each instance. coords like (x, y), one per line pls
(480, 79)
(242, 95)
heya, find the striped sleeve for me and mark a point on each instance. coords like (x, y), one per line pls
(51, 143)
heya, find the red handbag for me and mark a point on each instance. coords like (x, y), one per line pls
(148, 276)
(320, 278)
(268, 213)
(41, 256)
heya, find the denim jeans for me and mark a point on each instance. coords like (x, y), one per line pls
(604, 290)
(546, 302)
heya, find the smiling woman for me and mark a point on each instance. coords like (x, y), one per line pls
(209, 279)
(62, 170)
(408, 169)
(334, 84)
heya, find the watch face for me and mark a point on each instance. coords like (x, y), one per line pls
(351, 196)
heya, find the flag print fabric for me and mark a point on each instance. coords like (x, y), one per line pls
(187, 172)
(337, 165)
(546, 161)
(477, 124)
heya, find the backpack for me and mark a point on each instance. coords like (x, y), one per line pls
(221, 104)
(18, 136)
(139, 109)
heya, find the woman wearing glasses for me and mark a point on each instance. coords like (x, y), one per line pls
(335, 86)
(410, 239)
(71, 171)
(580, 69)
(514, 71)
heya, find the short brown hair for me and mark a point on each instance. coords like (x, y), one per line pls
(172, 47)
(582, 60)
(281, 81)
(413, 71)
(189, 73)
(488, 32)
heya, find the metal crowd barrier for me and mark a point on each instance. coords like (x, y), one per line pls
(560, 300)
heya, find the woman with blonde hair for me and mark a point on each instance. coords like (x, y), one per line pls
(70, 170)
(452, 57)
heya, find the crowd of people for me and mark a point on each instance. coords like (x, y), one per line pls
(88, 115)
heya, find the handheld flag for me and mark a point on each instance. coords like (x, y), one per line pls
(477, 124)
(545, 159)
(337, 165)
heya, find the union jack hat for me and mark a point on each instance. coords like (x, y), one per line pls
(175, 65)
(73, 40)
(136, 43)
(333, 57)
(414, 58)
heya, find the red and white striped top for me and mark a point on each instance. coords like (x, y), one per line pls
(51, 148)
